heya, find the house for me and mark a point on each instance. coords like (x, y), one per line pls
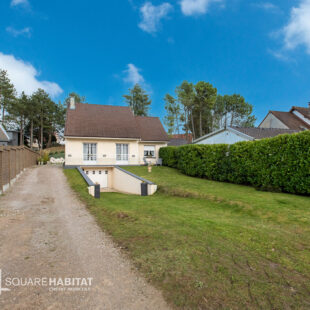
(231, 135)
(101, 135)
(14, 137)
(298, 118)
(100, 138)
(180, 139)
(4, 137)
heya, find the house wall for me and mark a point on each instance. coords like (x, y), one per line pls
(272, 122)
(106, 151)
(141, 151)
(224, 137)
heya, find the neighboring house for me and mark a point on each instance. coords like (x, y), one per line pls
(4, 137)
(180, 139)
(59, 138)
(102, 135)
(231, 135)
(14, 137)
(298, 118)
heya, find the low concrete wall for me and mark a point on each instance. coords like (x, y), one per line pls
(125, 181)
(121, 180)
(93, 189)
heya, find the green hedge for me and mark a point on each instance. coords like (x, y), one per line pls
(276, 164)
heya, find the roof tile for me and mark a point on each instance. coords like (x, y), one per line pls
(104, 121)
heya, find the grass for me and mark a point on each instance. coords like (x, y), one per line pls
(211, 245)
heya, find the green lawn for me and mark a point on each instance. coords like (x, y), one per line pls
(211, 245)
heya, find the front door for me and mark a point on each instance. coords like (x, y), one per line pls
(122, 154)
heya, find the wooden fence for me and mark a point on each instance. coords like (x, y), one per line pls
(13, 160)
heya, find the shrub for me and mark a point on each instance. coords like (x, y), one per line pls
(281, 163)
(44, 157)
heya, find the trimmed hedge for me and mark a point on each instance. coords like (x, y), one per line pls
(281, 163)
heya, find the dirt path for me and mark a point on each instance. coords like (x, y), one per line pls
(45, 232)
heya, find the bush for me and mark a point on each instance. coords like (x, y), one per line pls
(44, 157)
(281, 163)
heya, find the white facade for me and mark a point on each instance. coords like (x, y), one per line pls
(110, 151)
(223, 136)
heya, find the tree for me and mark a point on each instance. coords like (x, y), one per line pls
(173, 117)
(186, 97)
(205, 99)
(55, 120)
(7, 92)
(233, 110)
(201, 110)
(138, 100)
(78, 98)
(18, 111)
(44, 107)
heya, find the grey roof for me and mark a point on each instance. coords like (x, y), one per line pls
(3, 135)
(261, 133)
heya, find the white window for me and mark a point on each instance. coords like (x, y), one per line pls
(149, 151)
(121, 152)
(90, 151)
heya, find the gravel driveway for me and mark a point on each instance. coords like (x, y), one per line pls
(46, 233)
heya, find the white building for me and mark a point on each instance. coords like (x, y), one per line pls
(231, 135)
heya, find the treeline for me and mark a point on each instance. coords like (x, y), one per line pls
(199, 109)
(36, 116)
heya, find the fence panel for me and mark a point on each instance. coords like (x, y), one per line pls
(13, 160)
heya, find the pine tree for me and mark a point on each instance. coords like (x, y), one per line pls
(138, 100)
(18, 111)
(7, 92)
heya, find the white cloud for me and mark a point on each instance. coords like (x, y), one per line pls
(152, 15)
(267, 6)
(19, 2)
(132, 75)
(297, 31)
(18, 32)
(196, 7)
(25, 77)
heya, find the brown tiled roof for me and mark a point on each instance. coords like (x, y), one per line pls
(261, 133)
(304, 111)
(104, 121)
(3, 136)
(151, 129)
(183, 136)
(290, 120)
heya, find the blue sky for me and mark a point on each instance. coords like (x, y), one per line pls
(260, 49)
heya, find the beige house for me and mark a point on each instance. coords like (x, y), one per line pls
(111, 135)
(100, 137)
(298, 118)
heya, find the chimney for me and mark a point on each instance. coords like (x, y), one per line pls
(72, 103)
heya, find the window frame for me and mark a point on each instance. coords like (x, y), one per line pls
(122, 152)
(150, 152)
(90, 152)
